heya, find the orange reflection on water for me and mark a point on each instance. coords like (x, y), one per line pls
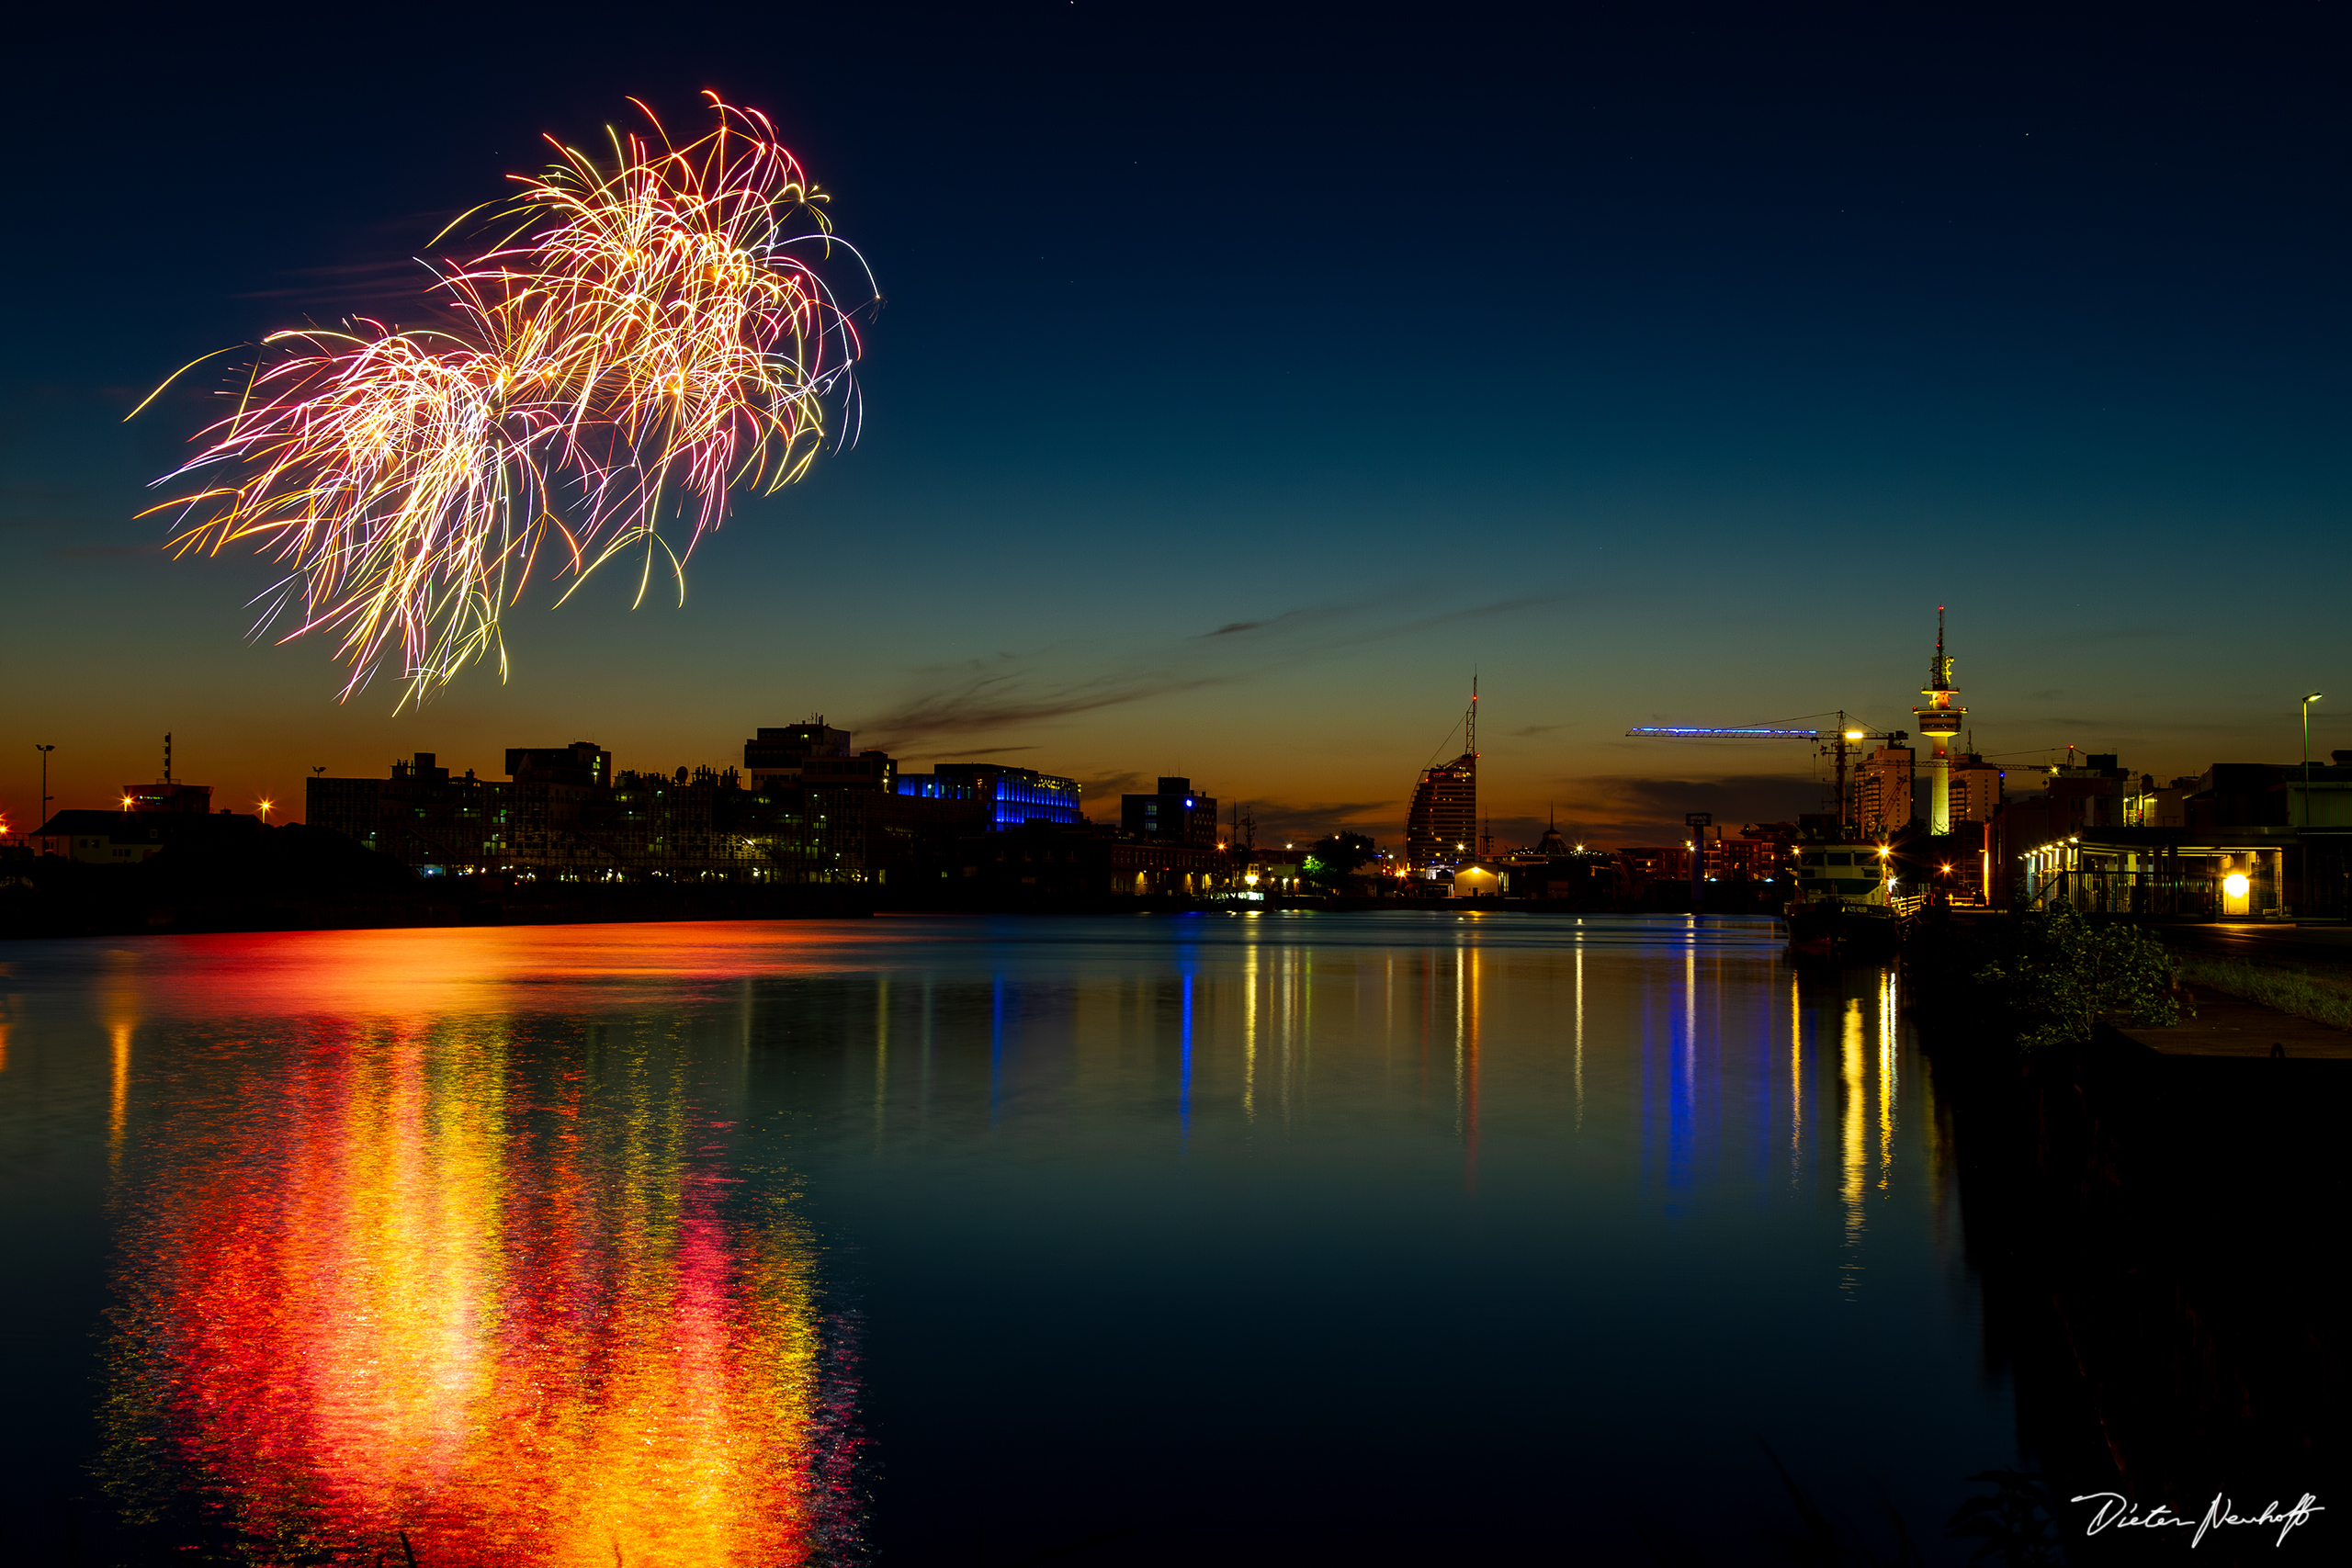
(395, 1283)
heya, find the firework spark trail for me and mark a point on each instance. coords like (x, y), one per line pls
(650, 334)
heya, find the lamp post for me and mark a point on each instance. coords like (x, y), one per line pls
(44, 751)
(2303, 851)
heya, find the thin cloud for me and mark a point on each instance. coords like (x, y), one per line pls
(1003, 691)
(1302, 615)
(1103, 786)
(1280, 822)
(998, 702)
(961, 752)
(1616, 810)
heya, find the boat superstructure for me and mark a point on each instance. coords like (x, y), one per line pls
(1846, 902)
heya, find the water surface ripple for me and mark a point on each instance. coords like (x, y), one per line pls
(1249, 1238)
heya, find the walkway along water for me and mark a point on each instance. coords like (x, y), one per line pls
(2156, 1217)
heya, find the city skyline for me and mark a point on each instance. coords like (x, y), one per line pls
(1740, 348)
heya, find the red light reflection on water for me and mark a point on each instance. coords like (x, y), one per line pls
(404, 974)
(391, 1280)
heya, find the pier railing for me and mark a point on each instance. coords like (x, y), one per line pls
(2128, 893)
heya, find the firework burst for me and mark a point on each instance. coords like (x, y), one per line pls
(650, 332)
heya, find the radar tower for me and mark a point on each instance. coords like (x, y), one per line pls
(1939, 719)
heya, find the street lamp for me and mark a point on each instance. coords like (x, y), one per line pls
(44, 751)
(2304, 850)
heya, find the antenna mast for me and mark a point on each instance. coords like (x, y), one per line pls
(1470, 724)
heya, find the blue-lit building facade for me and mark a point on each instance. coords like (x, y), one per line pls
(1012, 796)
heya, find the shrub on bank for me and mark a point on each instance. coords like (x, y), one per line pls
(2046, 979)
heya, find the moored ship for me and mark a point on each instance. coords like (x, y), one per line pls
(1844, 906)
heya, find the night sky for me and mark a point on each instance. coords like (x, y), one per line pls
(1249, 377)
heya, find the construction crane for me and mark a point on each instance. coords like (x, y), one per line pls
(1834, 742)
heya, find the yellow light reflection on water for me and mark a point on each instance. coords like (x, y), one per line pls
(1852, 1110)
(1888, 1018)
(408, 1283)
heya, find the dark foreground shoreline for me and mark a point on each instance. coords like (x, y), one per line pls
(2156, 1237)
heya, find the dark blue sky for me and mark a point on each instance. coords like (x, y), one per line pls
(1655, 363)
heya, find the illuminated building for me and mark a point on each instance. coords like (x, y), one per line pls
(1642, 864)
(128, 837)
(169, 794)
(1478, 879)
(1010, 797)
(1939, 719)
(1975, 788)
(569, 817)
(2242, 839)
(419, 816)
(1883, 790)
(1175, 814)
(1441, 825)
(779, 754)
(810, 816)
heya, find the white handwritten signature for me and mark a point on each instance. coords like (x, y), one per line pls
(2115, 1509)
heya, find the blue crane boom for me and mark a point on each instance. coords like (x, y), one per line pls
(1833, 741)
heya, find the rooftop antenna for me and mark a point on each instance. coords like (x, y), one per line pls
(1470, 724)
(168, 756)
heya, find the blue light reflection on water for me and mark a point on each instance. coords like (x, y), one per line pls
(1429, 1231)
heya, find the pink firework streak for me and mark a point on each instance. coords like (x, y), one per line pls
(651, 333)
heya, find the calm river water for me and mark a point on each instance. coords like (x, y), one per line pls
(1248, 1239)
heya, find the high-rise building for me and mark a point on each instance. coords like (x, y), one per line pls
(1882, 798)
(1441, 826)
(1975, 788)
